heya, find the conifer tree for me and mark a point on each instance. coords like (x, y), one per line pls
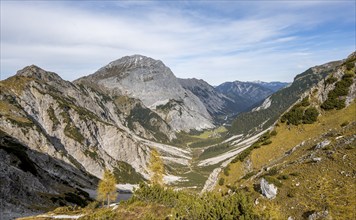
(157, 168)
(107, 188)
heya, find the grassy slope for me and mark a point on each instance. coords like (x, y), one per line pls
(305, 185)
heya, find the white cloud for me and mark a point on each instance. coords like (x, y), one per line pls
(76, 41)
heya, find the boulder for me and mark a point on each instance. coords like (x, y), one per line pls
(268, 190)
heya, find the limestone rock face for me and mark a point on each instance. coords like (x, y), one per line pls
(217, 104)
(156, 86)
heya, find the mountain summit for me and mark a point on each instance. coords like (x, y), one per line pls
(156, 86)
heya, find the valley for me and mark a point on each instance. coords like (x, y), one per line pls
(59, 137)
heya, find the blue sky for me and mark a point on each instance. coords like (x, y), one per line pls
(216, 41)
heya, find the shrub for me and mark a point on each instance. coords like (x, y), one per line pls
(267, 142)
(348, 75)
(283, 177)
(344, 123)
(273, 180)
(274, 133)
(305, 102)
(294, 116)
(335, 98)
(248, 175)
(221, 181)
(273, 171)
(93, 205)
(310, 115)
(330, 80)
(101, 214)
(291, 193)
(350, 65)
(227, 170)
(294, 174)
(192, 206)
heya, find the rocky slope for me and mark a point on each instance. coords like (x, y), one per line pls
(65, 129)
(333, 81)
(53, 130)
(217, 104)
(309, 162)
(272, 107)
(155, 85)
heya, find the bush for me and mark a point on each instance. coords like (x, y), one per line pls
(221, 181)
(305, 102)
(267, 142)
(335, 98)
(291, 193)
(330, 80)
(193, 206)
(105, 213)
(274, 132)
(344, 123)
(243, 155)
(348, 75)
(93, 205)
(294, 116)
(248, 175)
(227, 170)
(283, 177)
(310, 115)
(294, 174)
(273, 180)
(273, 171)
(350, 65)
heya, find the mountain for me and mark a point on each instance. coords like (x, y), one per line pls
(244, 94)
(272, 107)
(54, 131)
(230, 98)
(58, 137)
(274, 86)
(217, 104)
(308, 156)
(156, 86)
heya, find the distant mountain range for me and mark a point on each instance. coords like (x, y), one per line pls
(230, 98)
(248, 94)
(57, 137)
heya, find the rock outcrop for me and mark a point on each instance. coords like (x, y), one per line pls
(268, 190)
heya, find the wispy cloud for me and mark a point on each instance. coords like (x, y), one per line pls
(216, 41)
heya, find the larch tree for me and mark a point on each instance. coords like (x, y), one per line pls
(157, 167)
(107, 188)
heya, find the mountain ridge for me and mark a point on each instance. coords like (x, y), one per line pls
(87, 129)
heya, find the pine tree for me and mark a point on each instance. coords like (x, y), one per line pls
(157, 168)
(107, 188)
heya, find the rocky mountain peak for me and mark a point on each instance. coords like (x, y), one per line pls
(36, 72)
(156, 86)
(133, 62)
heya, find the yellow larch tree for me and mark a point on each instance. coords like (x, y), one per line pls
(157, 167)
(107, 188)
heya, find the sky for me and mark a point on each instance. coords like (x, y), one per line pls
(217, 41)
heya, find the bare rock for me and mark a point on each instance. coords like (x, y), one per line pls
(322, 144)
(268, 190)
